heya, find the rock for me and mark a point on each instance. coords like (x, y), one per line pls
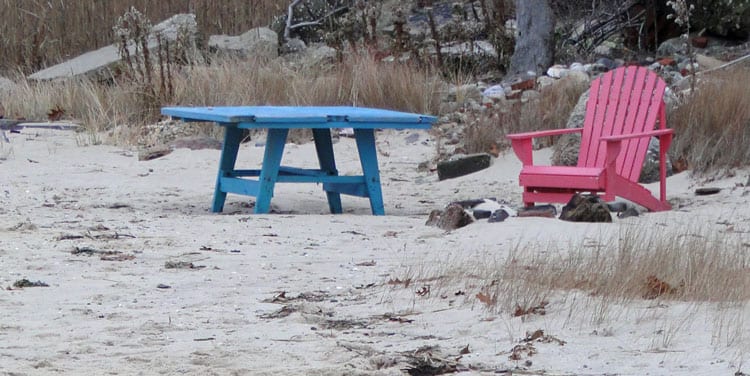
(672, 46)
(547, 211)
(526, 84)
(708, 62)
(196, 143)
(498, 215)
(667, 61)
(454, 216)
(605, 65)
(485, 208)
(259, 42)
(617, 206)
(707, 191)
(154, 152)
(557, 71)
(585, 208)
(631, 211)
(411, 138)
(320, 55)
(495, 92)
(699, 42)
(578, 78)
(545, 81)
(481, 48)
(96, 64)
(293, 46)
(481, 214)
(461, 166)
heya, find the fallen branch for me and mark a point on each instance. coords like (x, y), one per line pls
(726, 65)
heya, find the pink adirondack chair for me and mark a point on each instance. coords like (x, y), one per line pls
(623, 108)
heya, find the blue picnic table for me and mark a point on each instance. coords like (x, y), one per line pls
(279, 120)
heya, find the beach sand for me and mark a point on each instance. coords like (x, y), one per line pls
(144, 279)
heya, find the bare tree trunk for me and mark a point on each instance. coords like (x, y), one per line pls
(534, 44)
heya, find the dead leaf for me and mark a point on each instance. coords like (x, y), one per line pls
(655, 288)
(486, 299)
(523, 350)
(55, 113)
(534, 335)
(536, 310)
(400, 320)
(425, 290)
(494, 150)
(406, 282)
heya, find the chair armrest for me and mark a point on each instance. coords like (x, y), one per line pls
(521, 142)
(659, 132)
(547, 133)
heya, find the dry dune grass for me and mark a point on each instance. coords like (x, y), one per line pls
(548, 111)
(712, 126)
(38, 33)
(358, 80)
(689, 266)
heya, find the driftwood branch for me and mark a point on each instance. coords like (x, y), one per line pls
(605, 25)
(725, 65)
(290, 25)
(289, 17)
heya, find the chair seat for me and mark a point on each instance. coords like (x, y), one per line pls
(578, 178)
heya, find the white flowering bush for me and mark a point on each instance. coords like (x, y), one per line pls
(722, 17)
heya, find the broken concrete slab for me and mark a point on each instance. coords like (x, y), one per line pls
(96, 64)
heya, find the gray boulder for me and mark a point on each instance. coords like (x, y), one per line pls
(259, 42)
(6, 86)
(293, 46)
(672, 46)
(320, 55)
(96, 64)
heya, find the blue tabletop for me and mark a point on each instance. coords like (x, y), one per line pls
(302, 117)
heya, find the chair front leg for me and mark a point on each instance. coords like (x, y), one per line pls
(610, 162)
(522, 148)
(664, 142)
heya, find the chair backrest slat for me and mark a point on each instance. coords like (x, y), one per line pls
(623, 101)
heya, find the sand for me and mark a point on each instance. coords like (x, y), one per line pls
(300, 291)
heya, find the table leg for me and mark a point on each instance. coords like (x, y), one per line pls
(324, 149)
(270, 170)
(368, 156)
(232, 138)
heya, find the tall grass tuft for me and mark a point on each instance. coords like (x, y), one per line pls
(712, 126)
